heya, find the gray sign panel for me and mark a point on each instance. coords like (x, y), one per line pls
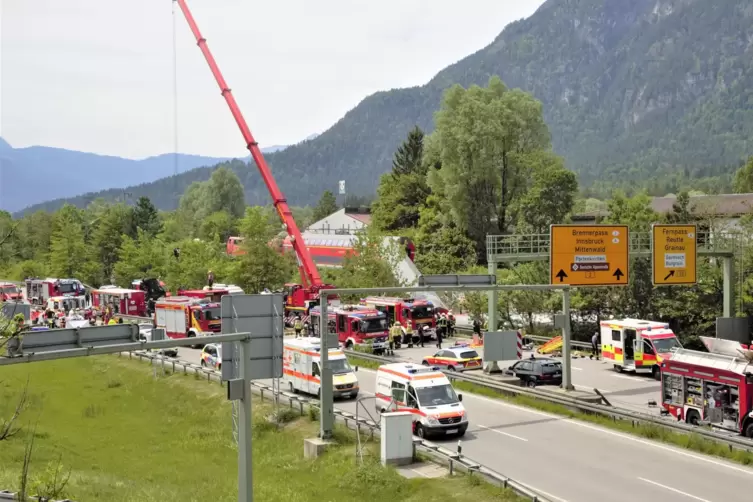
(74, 338)
(263, 317)
(457, 280)
(10, 309)
(500, 346)
(158, 335)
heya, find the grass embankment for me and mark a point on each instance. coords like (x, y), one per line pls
(126, 436)
(693, 442)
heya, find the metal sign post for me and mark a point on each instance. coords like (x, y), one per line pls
(326, 397)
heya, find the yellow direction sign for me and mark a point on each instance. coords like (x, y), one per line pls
(673, 254)
(589, 255)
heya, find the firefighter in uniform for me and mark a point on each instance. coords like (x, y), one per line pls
(298, 326)
(408, 331)
(395, 334)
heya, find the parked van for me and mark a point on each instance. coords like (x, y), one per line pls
(424, 391)
(301, 368)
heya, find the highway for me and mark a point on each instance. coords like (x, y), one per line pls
(572, 461)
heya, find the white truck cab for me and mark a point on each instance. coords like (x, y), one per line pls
(424, 391)
(301, 368)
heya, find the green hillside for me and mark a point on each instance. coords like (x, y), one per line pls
(659, 91)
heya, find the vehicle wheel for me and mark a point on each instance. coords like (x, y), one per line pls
(203, 364)
(292, 390)
(425, 363)
(692, 417)
(451, 368)
(349, 345)
(618, 368)
(193, 335)
(531, 384)
(420, 432)
(219, 367)
(656, 372)
(749, 430)
(461, 434)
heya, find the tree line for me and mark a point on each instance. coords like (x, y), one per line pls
(488, 168)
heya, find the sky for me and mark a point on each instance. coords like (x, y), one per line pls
(97, 75)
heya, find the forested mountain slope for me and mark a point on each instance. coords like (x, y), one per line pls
(633, 90)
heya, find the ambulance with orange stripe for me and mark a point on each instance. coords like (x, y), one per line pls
(636, 345)
(424, 391)
(301, 368)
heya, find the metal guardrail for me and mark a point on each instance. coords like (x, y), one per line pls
(8, 495)
(612, 412)
(454, 459)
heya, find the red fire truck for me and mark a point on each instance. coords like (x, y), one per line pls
(186, 317)
(354, 326)
(124, 301)
(405, 310)
(39, 291)
(9, 292)
(710, 388)
(212, 295)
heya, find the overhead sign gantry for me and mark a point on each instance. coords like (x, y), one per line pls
(589, 255)
(674, 250)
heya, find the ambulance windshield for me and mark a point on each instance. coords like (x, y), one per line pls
(436, 395)
(665, 345)
(340, 366)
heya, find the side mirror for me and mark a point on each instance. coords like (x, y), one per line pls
(356, 368)
(460, 397)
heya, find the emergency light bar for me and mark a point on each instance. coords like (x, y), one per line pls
(426, 369)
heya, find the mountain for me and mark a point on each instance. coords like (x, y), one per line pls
(638, 91)
(29, 176)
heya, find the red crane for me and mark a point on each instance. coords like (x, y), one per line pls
(311, 282)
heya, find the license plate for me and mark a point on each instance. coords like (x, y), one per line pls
(452, 431)
(347, 394)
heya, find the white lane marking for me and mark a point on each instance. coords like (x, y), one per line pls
(584, 425)
(673, 490)
(591, 389)
(502, 432)
(625, 377)
(574, 368)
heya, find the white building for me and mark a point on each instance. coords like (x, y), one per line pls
(342, 221)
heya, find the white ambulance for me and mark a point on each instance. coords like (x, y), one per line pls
(301, 368)
(424, 391)
(637, 345)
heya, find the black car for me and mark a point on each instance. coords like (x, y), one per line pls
(537, 371)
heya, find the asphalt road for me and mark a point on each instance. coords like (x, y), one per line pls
(573, 461)
(623, 390)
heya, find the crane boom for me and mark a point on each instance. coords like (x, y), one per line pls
(309, 274)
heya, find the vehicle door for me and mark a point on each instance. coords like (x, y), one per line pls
(399, 399)
(523, 370)
(630, 339)
(355, 326)
(313, 386)
(405, 316)
(342, 324)
(648, 354)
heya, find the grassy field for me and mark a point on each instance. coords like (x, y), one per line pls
(692, 442)
(126, 436)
